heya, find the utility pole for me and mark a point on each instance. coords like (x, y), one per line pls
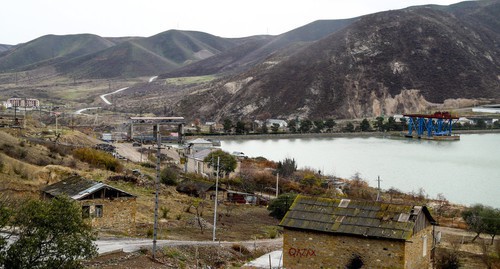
(277, 183)
(15, 115)
(216, 198)
(142, 142)
(24, 120)
(56, 121)
(378, 189)
(157, 184)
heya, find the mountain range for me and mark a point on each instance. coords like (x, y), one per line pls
(389, 62)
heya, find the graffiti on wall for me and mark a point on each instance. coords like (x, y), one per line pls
(301, 252)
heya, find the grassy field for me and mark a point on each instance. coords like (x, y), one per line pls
(189, 80)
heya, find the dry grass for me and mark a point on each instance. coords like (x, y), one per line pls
(471, 255)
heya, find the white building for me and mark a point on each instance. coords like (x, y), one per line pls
(22, 102)
(282, 123)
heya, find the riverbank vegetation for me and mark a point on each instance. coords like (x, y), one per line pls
(325, 126)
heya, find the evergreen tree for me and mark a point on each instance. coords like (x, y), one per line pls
(319, 125)
(228, 125)
(287, 167)
(292, 126)
(240, 127)
(365, 126)
(330, 123)
(279, 206)
(305, 126)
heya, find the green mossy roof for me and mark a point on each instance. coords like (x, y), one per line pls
(355, 217)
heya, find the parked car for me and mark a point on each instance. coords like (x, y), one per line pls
(136, 144)
(239, 154)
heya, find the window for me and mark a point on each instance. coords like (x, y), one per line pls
(344, 202)
(403, 217)
(98, 211)
(85, 211)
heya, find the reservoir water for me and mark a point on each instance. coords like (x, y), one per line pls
(465, 171)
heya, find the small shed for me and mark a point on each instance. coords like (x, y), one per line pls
(343, 233)
(105, 207)
(201, 189)
(241, 197)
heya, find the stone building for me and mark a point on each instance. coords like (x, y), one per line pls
(105, 207)
(343, 233)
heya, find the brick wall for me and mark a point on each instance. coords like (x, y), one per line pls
(304, 249)
(118, 214)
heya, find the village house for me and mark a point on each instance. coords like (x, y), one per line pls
(206, 189)
(343, 233)
(195, 163)
(105, 207)
(199, 144)
(195, 153)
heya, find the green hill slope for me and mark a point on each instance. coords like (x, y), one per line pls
(50, 49)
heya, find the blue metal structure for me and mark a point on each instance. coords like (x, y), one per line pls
(437, 124)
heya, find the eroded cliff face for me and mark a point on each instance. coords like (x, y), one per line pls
(395, 62)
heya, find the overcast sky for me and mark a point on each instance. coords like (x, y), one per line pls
(25, 20)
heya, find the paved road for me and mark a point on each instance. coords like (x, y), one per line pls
(132, 153)
(103, 97)
(78, 112)
(131, 245)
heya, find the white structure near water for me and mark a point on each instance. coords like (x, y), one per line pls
(495, 109)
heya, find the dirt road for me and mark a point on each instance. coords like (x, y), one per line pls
(133, 154)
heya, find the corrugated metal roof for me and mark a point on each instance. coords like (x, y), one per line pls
(200, 155)
(78, 187)
(363, 218)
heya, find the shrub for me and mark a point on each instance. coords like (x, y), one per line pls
(149, 232)
(98, 159)
(148, 165)
(168, 176)
(272, 232)
(59, 149)
(14, 152)
(240, 248)
(279, 206)
(448, 260)
(164, 212)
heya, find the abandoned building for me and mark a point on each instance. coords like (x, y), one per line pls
(200, 189)
(343, 233)
(105, 207)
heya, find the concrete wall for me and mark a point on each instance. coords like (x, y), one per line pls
(304, 249)
(118, 214)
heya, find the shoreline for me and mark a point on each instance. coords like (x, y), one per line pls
(326, 135)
